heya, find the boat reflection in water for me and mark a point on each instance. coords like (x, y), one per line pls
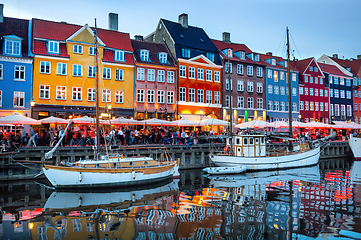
(124, 214)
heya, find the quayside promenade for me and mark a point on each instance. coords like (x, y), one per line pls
(27, 163)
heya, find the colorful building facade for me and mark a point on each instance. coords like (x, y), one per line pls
(65, 72)
(16, 69)
(155, 81)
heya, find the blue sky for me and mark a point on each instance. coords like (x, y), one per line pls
(316, 27)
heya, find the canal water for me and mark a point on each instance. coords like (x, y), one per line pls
(307, 203)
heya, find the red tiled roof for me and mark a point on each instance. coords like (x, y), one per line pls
(40, 48)
(154, 49)
(354, 65)
(108, 56)
(17, 27)
(331, 69)
(301, 65)
(60, 31)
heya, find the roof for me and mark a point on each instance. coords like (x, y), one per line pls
(17, 27)
(301, 65)
(354, 65)
(154, 49)
(192, 37)
(264, 57)
(331, 69)
(60, 31)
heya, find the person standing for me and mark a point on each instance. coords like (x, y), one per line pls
(23, 137)
(32, 138)
(51, 136)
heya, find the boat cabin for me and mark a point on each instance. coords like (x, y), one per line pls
(249, 145)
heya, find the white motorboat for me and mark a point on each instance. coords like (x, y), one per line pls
(355, 145)
(225, 170)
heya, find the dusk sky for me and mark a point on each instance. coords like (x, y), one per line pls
(316, 27)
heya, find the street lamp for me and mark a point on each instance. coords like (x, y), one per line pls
(299, 117)
(32, 104)
(200, 114)
(109, 106)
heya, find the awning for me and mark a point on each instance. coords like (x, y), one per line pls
(193, 117)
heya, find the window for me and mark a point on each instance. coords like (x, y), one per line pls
(140, 95)
(228, 67)
(61, 68)
(269, 71)
(239, 69)
(106, 73)
(192, 72)
(208, 96)
(316, 107)
(349, 110)
(227, 84)
(315, 69)
(106, 95)
(119, 56)
(316, 80)
(326, 106)
(335, 80)
(144, 55)
(60, 92)
(200, 73)
(270, 105)
(326, 93)
(348, 94)
(240, 102)
(342, 81)
(294, 77)
(283, 90)
(294, 91)
(276, 90)
(160, 96)
(270, 88)
(311, 68)
(250, 103)
(1, 71)
(321, 106)
(249, 86)
(306, 91)
(191, 94)
(200, 98)
(355, 93)
(321, 92)
(161, 76)
(12, 47)
(19, 72)
(283, 106)
(250, 70)
(53, 47)
(301, 90)
(1, 98)
(217, 76)
(19, 99)
(355, 107)
(336, 93)
(151, 96)
(91, 71)
(76, 94)
(321, 80)
(140, 74)
(78, 49)
(337, 110)
(276, 106)
(182, 94)
(208, 75)
(331, 110)
(282, 75)
(227, 101)
(151, 75)
(210, 56)
(91, 51)
(306, 106)
(170, 97)
(182, 71)
(259, 87)
(359, 94)
(170, 77)
(311, 79)
(311, 91)
(311, 106)
(275, 76)
(342, 93)
(343, 110)
(260, 103)
(316, 92)
(119, 75)
(186, 53)
(259, 72)
(91, 94)
(44, 92)
(301, 105)
(77, 70)
(44, 67)
(217, 97)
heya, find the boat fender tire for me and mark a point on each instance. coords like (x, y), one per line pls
(133, 174)
(226, 149)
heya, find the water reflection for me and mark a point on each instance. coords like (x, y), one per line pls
(303, 203)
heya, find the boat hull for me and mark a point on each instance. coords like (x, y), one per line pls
(355, 145)
(303, 159)
(72, 177)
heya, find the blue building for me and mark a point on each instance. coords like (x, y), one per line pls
(15, 66)
(277, 89)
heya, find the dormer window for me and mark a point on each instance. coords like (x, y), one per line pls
(186, 53)
(12, 45)
(78, 49)
(273, 62)
(229, 52)
(119, 56)
(240, 55)
(256, 57)
(163, 57)
(53, 47)
(210, 56)
(144, 55)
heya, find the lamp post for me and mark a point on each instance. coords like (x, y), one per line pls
(109, 106)
(299, 117)
(200, 114)
(32, 104)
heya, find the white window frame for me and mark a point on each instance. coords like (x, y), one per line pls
(76, 94)
(19, 73)
(119, 96)
(140, 95)
(250, 103)
(44, 91)
(60, 92)
(208, 75)
(259, 72)
(150, 96)
(191, 95)
(1, 71)
(77, 70)
(61, 68)
(91, 95)
(200, 73)
(250, 87)
(161, 76)
(119, 74)
(217, 97)
(119, 56)
(259, 87)
(217, 76)
(19, 99)
(140, 74)
(151, 75)
(162, 57)
(208, 96)
(106, 95)
(240, 69)
(182, 94)
(170, 77)
(53, 47)
(144, 55)
(182, 71)
(259, 103)
(12, 47)
(240, 85)
(160, 96)
(200, 96)
(170, 97)
(249, 70)
(192, 72)
(240, 102)
(107, 73)
(45, 67)
(78, 49)
(91, 51)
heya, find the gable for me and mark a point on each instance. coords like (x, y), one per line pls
(202, 59)
(84, 36)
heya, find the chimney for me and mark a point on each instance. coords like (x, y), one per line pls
(138, 37)
(226, 37)
(358, 57)
(1, 12)
(269, 54)
(113, 21)
(335, 56)
(183, 20)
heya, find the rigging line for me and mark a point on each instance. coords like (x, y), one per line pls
(295, 46)
(282, 40)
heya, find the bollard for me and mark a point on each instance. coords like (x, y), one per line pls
(183, 160)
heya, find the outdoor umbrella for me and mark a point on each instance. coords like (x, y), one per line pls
(124, 121)
(54, 120)
(187, 123)
(318, 125)
(253, 124)
(16, 119)
(278, 124)
(86, 120)
(156, 122)
(215, 122)
(299, 125)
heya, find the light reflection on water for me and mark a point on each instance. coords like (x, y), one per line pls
(289, 204)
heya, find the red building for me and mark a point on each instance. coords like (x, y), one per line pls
(314, 94)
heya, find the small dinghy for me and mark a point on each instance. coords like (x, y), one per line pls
(225, 170)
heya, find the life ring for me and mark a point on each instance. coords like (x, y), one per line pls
(226, 149)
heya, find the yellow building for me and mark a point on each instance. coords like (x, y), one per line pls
(65, 73)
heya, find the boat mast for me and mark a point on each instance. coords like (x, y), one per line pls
(96, 88)
(230, 105)
(289, 87)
